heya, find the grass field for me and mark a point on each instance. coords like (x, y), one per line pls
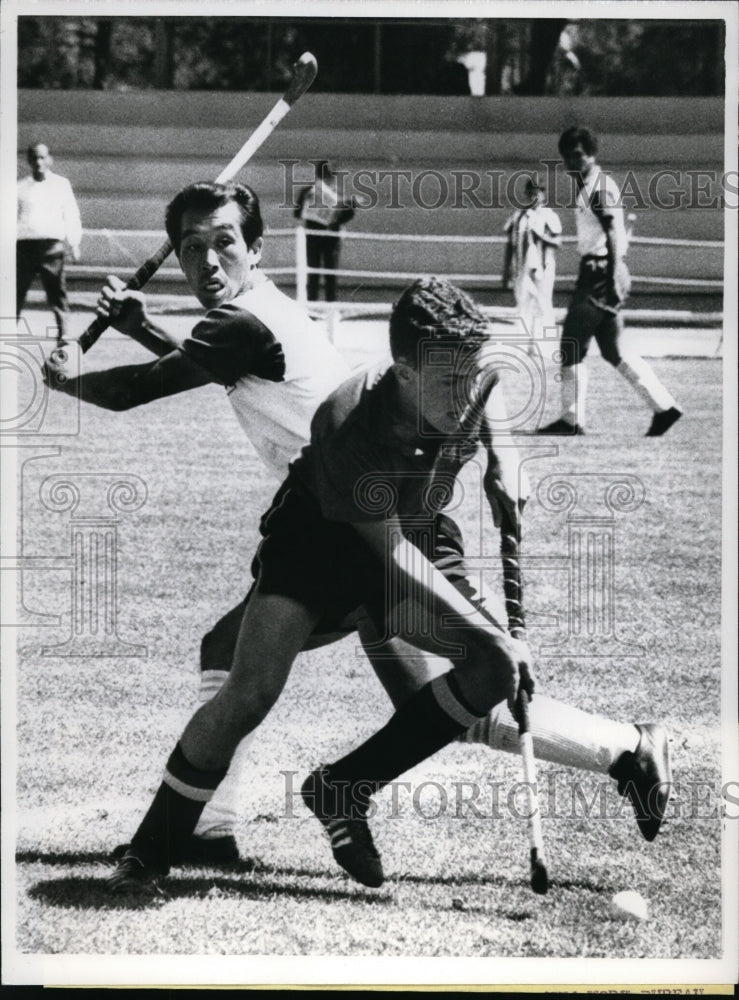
(93, 732)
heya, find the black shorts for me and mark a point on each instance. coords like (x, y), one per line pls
(589, 316)
(328, 568)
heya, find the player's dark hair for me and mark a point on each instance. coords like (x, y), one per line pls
(435, 309)
(207, 196)
(569, 139)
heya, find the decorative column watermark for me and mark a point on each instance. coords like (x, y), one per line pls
(94, 501)
(591, 502)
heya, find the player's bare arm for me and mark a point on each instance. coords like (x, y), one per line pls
(421, 582)
(127, 386)
(616, 273)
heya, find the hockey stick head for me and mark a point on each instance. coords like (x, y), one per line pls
(304, 73)
(539, 875)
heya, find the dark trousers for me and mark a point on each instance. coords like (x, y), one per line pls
(45, 258)
(323, 252)
(588, 316)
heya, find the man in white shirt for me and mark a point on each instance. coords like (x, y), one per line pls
(602, 287)
(48, 218)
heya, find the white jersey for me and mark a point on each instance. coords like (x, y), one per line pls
(599, 195)
(277, 366)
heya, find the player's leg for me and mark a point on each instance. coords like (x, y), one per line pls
(331, 263)
(640, 376)
(306, 570)
(580, 322)
(635, 755)
(313, 251)
(530, 314)
(26, 265)
(443, 708)
(425, 696)
(214, 837)
(562, 734)
(545, 299)
(273, 632)
(51, 272)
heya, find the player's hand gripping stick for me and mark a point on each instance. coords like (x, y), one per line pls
(304, 74)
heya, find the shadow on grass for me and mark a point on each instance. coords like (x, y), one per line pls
(65, 858)
(78, 891)
(92, 893)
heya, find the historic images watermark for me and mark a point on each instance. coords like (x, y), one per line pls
(665, 189)
(561, 795)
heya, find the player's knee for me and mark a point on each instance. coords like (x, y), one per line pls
(248, 704)
(483, 680)
(218, 646)
(206, 651)
(571, 352)
(611, 354)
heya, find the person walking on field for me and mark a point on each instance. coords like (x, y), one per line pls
(602, 287)
(534, 233)
(323, 212)
(48, 218)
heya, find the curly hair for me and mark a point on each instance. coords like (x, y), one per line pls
(433, 308)
(207, 196)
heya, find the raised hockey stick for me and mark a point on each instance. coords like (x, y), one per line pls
(304, 74)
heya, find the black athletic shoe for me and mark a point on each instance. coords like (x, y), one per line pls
(200, 851)
(345, 822)
(562, 428)
(662, 422)
(645, 776)
(134, 877)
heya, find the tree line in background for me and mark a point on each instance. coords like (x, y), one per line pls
(393, 56)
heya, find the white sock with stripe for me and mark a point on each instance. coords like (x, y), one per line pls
(645, 383)
(561, 734)
(220, 815)
(574, 393)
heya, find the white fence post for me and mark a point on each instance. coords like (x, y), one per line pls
(301, 266)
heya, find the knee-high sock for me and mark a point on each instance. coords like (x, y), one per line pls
(425, 723)
(221, 813)
(561, 734)
(574, 393)
(172, 816)
(645, 383)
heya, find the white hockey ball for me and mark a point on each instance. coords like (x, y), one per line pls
(629, 905)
